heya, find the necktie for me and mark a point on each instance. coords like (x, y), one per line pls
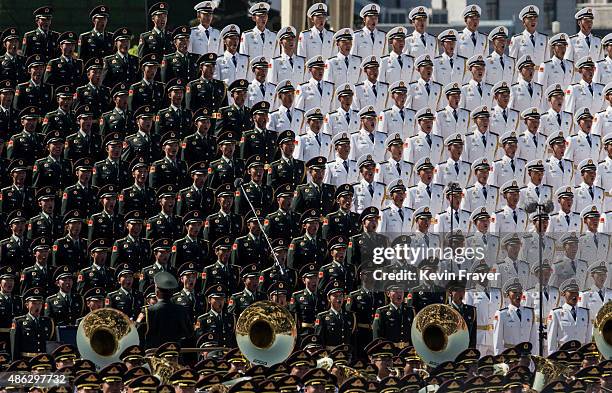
(573, 312)
(485, 192)
(428, 139)
(263, 37)
(455, 114)
(484, 239)
(588, 137)
(563, 66)
(398, 169)
(474, 38)
(595, 241)
(291, 61)
(501, 62)
(561, 166)
(484, 140)
(401, 214)
(234, 61)
(601, 296)
(426, 238)
(479, 89)
(423, 39)
(319, 88)
(345, 163)
(545, 290)
(588, 41)
(371, 135)
(537, 191)
(371, 189)
(348, 118)
(289, 116)
(530, 89)
(574, 266)
(535, 140)
(512, 165)
(518, 313)
(532, 40)
(262, 88)
(559, 118)
(505, 115)
(400, 61)
(402, 114)
(591, 193)
(591, 89)
(567, 219)
(457, 168)
(374, 91)
(514, 216)
(319, 141)
(207, 33)
(451, 62)
(321, 36)
(427, 87)
(346, 62)
(428, 188)
(456, 217)
(372, 36)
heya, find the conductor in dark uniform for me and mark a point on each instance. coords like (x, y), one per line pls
(41, 41)
(64, 307)
(226, 169)
(310, 247)
(222, 272)
(156, 330)
(224, 222)
(342, 222)
(181, 64)
(259, 195)
(283, 222)
(120, 67)
(206, 91)
(14, 251)
(126, 298)
(335, 326)
(394, 321)
(30, 332)
(97, 42)
(169, 170)
(12, 64)
(241, 300)
(315, 194)
(201, 145)
(147, 91)
(53, 170)
(361, 247)
(217, 321)
(34, 92)
(235, 117)
(197, 196)
(93, 93)
(259, 140)
(175, 117)
(66, 69)
(157, 40)
(456, 292)
(286, 169)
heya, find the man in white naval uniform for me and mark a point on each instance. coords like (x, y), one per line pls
(587, 193)
(583, 145)
(369, 41)
(449, 67)
(259, 88)
(420, 42)
(424, 143)
(425, 193)
(503, 118)
(476, 92)
(472, 42)
(530, 41)
(452, 118)
(565, 219)
(367, 140)
(288, 65)
(396, 65)
(584, 43)
(535, 190)
(231, 65)
(453, 216)
(396, 218)
(556, 70)
(585, 93)
(314, 142)
(555, 118)
(603, 69)
(422, 237)
(604, 168)
(371, 92)
(424, 92)
(593, 245)
(559, 171)
(481, 142)
(204, 38)
(526, 93)
(341, 170)
(568, 322)
(286, 117)
(602, 123)
(567, 265)
(315, 93)
(531, 241)
(531, 143)
(500, 66)
(395, 167)
(512, 266)
(487, 300)
(597, 294)
(480, 194)
(344, 118)
(317, 41)
(343, 67)
(259, 41)
(515, 323)
(509, 167)
(454, 169)
(511, 218)
(551, 293)
(367, 191)
(480, 236)
(398, 118)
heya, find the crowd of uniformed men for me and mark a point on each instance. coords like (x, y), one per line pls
(116, 167)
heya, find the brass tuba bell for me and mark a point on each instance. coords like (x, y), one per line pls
(439, 334)
(266, 333)
(104, 334)
(602, 330)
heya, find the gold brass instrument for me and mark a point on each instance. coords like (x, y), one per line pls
(266, 333)
(546, 371)
(602, 330)
(162, 368)
(104, 334)
(439, 333)
(341, 371)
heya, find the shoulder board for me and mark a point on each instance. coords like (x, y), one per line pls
(499, 211)
(502, 309)
(274, 58)
(305, 31)
(522, 159)
(436, 83)
(359, 84)
(331, 83)
(299, 110)
(386, 208)
(574, 35)
(304, 83)
(381, 183)
(547, 61)
(596, 36)
(383, 83)
(276, 110)
(385, 56)
(332, 112)
(584, 308)
(536, 83)
(530, 308)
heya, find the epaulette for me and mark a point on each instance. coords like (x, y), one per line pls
(515, 83)
(596, 36)
(379, 182)
(382, 57)
(499, 211)
(274, 58)
(383, 162)
(385, 83)
(536, 83)
(502, 309)
(276, 110)
(331, 83)
(247, 31)
(557, 308)
(492, 186)
(547, 61)
(386, 208)
(467, 211)
(301, 57)
(194, 27)
(531, 308)
(436, 83)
